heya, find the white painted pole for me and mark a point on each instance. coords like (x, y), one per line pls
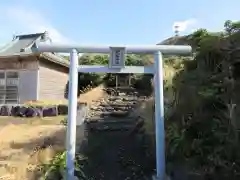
(130, 49)
(159, 116)
(72, 114)
(125, 70)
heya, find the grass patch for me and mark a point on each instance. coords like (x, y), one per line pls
(46, 103)
(4, 120)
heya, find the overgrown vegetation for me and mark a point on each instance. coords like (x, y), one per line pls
(202, 128)
(203, 131)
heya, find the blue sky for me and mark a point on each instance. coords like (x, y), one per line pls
(112, 21)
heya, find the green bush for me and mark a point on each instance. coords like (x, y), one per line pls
(143, 83)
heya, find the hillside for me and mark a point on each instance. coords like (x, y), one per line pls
(176, 40)
(203, 129)
(222, 38)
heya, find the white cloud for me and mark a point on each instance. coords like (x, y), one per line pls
(26, 21)
(186, 25)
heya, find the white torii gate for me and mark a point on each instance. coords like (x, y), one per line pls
(116, 65)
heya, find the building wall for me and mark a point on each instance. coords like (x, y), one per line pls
(28, 80)
(27, 68)
(28, 85)
(52, 80)
(38, 80)
(19, 63)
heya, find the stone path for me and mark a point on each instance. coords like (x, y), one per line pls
(117, 146)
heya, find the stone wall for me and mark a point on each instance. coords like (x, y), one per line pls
(34, 111)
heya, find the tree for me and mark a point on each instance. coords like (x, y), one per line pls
(232, 27)
(198, 35)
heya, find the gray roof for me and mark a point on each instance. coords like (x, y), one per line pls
(23, 45)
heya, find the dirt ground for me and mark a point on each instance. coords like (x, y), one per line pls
(27, 143)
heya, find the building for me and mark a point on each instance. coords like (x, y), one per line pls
(26, 75)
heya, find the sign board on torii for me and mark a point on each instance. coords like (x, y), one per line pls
(117, 57)
(116, 65)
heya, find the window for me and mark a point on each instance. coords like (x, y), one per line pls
(9, 87)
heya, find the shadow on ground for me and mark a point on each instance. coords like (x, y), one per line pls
(117, 155)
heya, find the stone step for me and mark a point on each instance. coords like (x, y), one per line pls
(117, 105)
(101, 128)
(111, 108)
(134, 126)
(111, 120)
(123, 98)
(126, 98)
(116, 114)
(113, 102)
(121, 89)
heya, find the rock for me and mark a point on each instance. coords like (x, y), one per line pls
(113, 98)
(109, 91)
(39, 111)
(5, 110)
(31, 112)
(122, 94)
(118, 101)
(95, 108)
(15, 111)
(62, 109)
(109, 109)
(50, 111)
(22, 111)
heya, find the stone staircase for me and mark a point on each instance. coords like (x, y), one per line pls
(114, 114)
(116, 142)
